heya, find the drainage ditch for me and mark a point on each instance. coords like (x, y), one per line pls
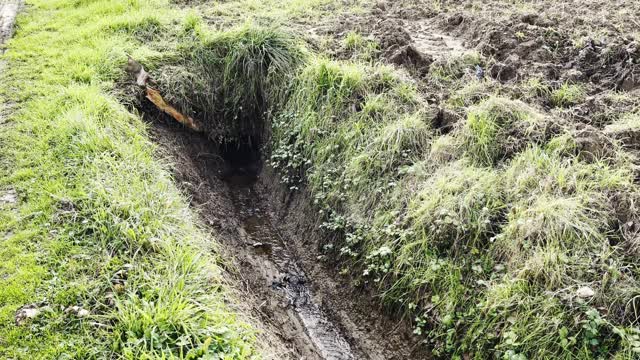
(312, 315)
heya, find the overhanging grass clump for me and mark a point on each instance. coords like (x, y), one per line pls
(228, 80)
(99, 241)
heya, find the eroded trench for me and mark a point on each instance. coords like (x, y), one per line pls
(269, 233)
(278, 265)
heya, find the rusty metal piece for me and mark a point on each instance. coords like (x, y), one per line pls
(154, 96)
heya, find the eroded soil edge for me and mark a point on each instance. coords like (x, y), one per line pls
(271, 239)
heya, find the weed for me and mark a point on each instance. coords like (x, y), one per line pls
(446, 148)
(567, 95)
(628, 123)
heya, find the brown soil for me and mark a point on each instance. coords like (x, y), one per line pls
(362, 316)
(593, 41)
(303, 307)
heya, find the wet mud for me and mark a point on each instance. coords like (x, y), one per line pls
(278, 265)
(292, 295)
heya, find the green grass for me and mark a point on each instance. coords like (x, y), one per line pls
(93, 200)
(364, 49)
(493, 127)
(482, 236)
(353, 40)
(567, 95)
(535, 87)
(227, 80)
(471, 93)
(287, 12)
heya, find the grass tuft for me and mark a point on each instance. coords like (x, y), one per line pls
(567, 95)
(493, 127)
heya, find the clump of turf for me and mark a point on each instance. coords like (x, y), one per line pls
(227, 80)
(496, 128)
(455, 67)
(567, 95)
(626, 130)
(457, 208)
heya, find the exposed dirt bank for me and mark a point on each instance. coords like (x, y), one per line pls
(305, 308)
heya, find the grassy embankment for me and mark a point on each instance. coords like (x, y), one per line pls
(100, 241)
(504, 236)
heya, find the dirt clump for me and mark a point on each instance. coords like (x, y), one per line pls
(592, 144)
(408, 56)
(602, 109)
(505, 71)
(445, 120)
(391, 36)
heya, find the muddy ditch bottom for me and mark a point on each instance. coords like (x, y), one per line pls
(301, 315)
